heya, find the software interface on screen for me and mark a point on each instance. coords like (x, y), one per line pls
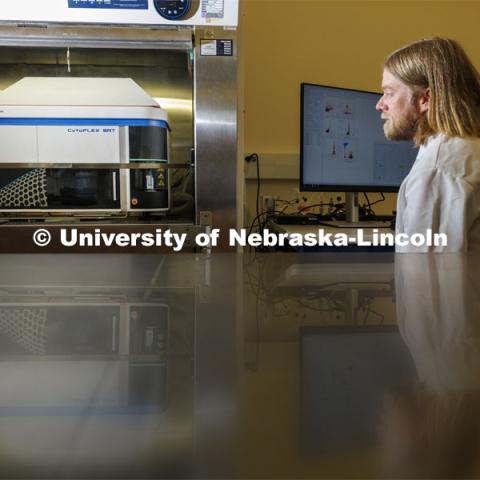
(343, 143)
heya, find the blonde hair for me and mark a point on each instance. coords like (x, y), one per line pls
(441, 65)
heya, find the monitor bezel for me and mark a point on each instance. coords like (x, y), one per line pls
(333, 188)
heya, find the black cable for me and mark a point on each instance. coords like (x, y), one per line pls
(376, 201)
(313, 206)
(368, 201)
(370, 211)
(286, 203)
(255, 220)
(381, 200)
(257, 160)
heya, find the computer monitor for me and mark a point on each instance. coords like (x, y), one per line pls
(343, 146)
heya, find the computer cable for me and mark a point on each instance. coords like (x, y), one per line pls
(307, 207)
(257, 219)
(368, 211)
(376, 201)
(256, 159)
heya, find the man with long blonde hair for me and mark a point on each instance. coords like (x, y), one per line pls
(431, 95)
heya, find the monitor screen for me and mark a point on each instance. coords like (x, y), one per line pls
(343, 146)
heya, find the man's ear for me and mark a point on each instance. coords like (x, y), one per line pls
(424, 100)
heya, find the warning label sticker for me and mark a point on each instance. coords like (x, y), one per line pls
(216, 48)
(213, 9)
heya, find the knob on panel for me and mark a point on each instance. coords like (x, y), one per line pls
(173, 9)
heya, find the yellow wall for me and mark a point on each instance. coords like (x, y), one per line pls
(339, 43)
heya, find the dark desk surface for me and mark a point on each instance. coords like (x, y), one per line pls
(239, 366)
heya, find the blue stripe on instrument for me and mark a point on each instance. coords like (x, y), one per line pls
(113, 4)
(116, 122)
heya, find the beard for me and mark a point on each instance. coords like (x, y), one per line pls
(403, 128)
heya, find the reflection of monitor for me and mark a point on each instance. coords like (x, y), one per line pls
(343, 146)
(345, 374)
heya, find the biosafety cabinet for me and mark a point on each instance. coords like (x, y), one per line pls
(51, 121)
(122, 111)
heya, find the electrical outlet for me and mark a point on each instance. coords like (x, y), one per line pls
(268, 203)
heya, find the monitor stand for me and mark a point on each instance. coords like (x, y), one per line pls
(352, 215)
(351, 207)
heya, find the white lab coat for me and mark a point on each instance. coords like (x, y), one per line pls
(442, 193)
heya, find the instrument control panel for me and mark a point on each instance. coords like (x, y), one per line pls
(124, 12)
(173, 9)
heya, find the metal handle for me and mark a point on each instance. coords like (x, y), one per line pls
(114, 175)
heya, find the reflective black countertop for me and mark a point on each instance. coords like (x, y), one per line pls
(237, 366)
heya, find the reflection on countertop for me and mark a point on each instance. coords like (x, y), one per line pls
(239, 366)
